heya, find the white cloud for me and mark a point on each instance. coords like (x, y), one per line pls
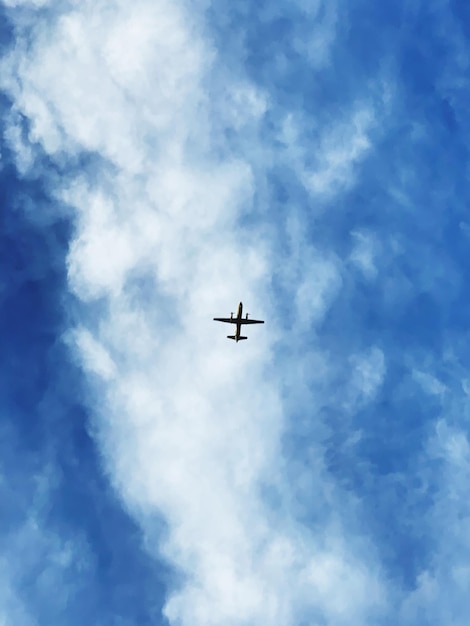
(13, 612)
(189, 423)
(39, 558)
(23, 151)
(367, 374)
(313, 277)
(364, 253)
(326, 157)
(441, 594)
(452, 444)
(428, 382)
(341, 148)
(95, 357)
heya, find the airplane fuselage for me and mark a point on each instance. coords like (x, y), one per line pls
(238, 332)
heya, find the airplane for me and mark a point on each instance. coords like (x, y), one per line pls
(239, 320)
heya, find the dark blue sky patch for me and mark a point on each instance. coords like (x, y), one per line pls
(461, 10)
(383, 468)
(6, 30)
(50, 465)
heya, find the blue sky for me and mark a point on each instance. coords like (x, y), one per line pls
(159, 163)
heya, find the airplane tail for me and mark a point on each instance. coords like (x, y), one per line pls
(234, 337)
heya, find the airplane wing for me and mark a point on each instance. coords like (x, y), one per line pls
(245, 321)
(229, 320)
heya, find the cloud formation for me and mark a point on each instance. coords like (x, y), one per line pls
(267, 477)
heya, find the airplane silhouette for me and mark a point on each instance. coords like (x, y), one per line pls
(239, 320)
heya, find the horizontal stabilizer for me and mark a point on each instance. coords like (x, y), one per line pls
(233, 337)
